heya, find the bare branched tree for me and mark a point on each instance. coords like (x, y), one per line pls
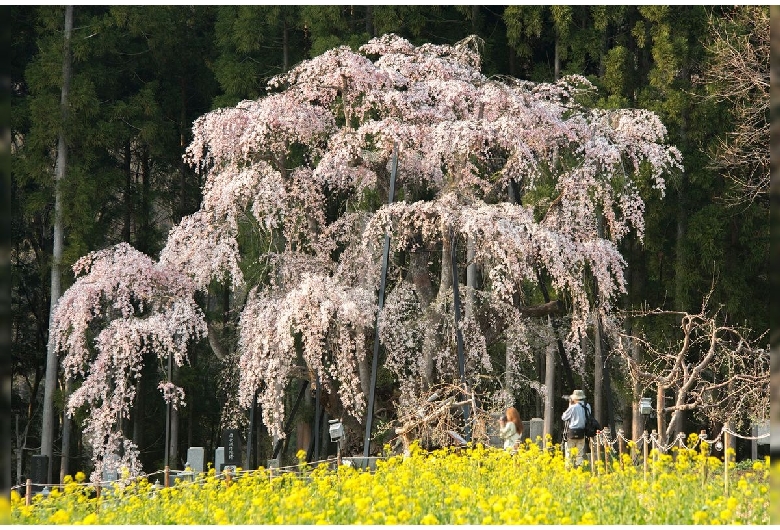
(718, 370)
(738, 73)
(437, 419)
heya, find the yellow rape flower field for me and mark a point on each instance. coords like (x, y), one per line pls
(473, 485)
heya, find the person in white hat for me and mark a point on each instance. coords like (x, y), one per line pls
(574, 416)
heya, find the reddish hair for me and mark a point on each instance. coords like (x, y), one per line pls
(514, 416)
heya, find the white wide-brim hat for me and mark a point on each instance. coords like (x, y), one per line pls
(578, 395)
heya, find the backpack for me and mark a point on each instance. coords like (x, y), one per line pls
(592, 425)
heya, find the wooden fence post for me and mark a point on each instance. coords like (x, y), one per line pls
(703, 443)
(592, 462)
(167, 480)
(726, 461)
(28, 492)
(644, 453)
(654, 437)
(621, 447)
(607, 447)
(598, 451)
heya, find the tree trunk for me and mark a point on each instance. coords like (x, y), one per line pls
(660, 402)
(174, 447)
(140, 404)
(471, 289)
(598, 372)
(183, 144)
(445, 285)
(370, 21)
(144, 236)
(285, 47)
(127, 168)
(637, 419)
(47, 428)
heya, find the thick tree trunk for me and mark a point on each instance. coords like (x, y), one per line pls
(144, 236)
(598, 372)
(285, 47)
(598, 344)
(174, 447)
(47, 428)
(140, 403)
(127, 169)
(431, 340)
(183, 127)
(471, 289)
(370, 21)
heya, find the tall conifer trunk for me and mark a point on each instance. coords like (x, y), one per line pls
(47, 428)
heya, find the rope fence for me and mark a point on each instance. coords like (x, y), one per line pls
(603, 448)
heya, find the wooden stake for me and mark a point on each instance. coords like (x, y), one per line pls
(726, 461)
(644, 453)
(598, 450)
(28, 493)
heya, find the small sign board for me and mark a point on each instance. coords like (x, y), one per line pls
(39, 469)
(231, 441)
(761, 431)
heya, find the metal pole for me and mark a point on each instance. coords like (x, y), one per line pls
(375, 361)
(251, 430)
(317, 424)
(168, 418)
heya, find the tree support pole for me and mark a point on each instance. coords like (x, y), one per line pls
(382, 283)
(251, 431)
(317, 420)
(168, 418)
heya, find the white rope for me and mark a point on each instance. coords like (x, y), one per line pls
(732, 433)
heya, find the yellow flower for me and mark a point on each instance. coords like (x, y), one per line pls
(429, 519)
(90, 518)
(699, 517)
(59, 517)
